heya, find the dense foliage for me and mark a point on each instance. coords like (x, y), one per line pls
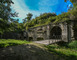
(6, 15)
(7, 21)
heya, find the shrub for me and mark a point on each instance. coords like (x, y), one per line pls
(73, 44)
(67, 51)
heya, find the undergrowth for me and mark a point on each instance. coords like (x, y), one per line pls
(65, 50)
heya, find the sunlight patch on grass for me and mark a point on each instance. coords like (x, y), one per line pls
(11, 42)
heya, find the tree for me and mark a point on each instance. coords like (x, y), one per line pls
(5, 9)
(71, 0)
(6, 15)
(29, 16)
(24, 20)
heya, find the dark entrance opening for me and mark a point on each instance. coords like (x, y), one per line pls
(55, 33)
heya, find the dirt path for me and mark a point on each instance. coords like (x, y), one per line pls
(27, 52)
(47, 42)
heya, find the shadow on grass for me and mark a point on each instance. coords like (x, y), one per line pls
(3, 45)
(62, 44)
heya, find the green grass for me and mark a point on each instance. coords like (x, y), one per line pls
(11, 42)
(67, 51)
(73, 45)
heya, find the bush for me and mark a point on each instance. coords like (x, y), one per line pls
(73, 44)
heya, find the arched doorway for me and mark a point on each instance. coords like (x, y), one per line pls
(55, 33)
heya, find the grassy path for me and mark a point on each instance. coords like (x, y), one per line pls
(30, 51)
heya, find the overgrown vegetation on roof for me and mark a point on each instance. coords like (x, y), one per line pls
(47, 18)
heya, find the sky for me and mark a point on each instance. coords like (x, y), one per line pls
(37, 7)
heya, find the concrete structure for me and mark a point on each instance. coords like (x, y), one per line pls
(61, 31)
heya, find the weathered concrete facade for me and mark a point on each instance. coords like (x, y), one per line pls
(62, 30)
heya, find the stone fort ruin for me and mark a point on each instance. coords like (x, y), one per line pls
(61, 31)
